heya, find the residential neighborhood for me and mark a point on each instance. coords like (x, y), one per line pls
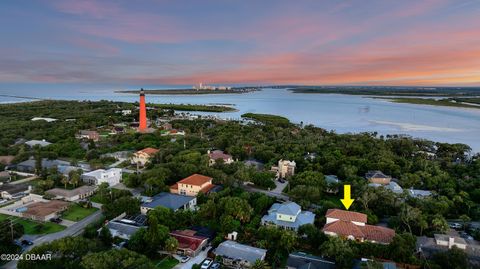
(181, 202)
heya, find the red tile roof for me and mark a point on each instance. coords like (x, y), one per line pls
(367, 232)
(149, 151)
(346, 215)
(378, 233)
(344, 228)
(188, 240)
(207, 188)
(195, 179)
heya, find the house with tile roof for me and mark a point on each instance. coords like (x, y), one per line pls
(189, 242)
(193, 185)
(352, 225)
(236, 255)
(142, 157)
(81, 192)
(288, 215)
(218, 155)
(43, 211)
(170, 200)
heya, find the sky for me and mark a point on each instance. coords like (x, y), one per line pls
(310, 42)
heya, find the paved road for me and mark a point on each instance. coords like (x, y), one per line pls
(73, 230)
(23, 180)
(277, 195)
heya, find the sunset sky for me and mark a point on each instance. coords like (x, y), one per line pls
(128, 43)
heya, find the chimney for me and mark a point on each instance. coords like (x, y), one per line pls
(451, 242)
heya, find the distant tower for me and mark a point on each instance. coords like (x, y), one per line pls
(143, 113)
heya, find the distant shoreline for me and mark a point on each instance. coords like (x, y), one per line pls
(391, 91)
(193, 91)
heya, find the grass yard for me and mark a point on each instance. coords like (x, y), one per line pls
(75, 212)
(32, 227)
(166, 263)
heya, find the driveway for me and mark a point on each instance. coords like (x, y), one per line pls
(198, 259)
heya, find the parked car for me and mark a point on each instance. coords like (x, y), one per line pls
(281, 180)
(26, 242)
(455, 225)
(206, 263)
(184, 259)
(465, 235)
(215, 265)
(56, 220)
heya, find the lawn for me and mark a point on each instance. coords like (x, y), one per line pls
(166, 263)
(75, 212)
(32, 227)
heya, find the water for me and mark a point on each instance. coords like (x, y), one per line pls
(342, 113)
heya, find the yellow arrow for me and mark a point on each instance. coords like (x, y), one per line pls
(347, 200)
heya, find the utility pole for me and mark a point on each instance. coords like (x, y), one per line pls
(11, 228)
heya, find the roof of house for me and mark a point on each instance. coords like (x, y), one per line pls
(187, 239)
(148, 151)
(70, 193)
(446, 237)
(168, 200)
(234, 250)
(346, 215)
(300, 260)
(331, 179)
(88, 132)
(344, 228)
(42, 143)
(292, 209)
(99, 172)
(419, 193)
(195, 179)
(46, 163)
(288, 208)
(218, 154)
(124, 228)
(4, 174)
(6, 159)
(14, 188)
(368, 232)
(376, 174)
(43, 209)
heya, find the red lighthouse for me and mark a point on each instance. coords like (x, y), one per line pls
(143, 113)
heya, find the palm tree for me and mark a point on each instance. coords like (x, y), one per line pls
(260, 264)
(64, 180)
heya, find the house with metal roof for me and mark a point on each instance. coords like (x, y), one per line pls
(288, 215)
(169, 200)
(301, 260)
(125, 226)
(236, 255)
(41, 143)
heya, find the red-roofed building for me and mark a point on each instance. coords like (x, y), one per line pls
(219, 155)
(143, 156)
(352, 226)
(337, 214)
(192, 185)
(188, 242)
